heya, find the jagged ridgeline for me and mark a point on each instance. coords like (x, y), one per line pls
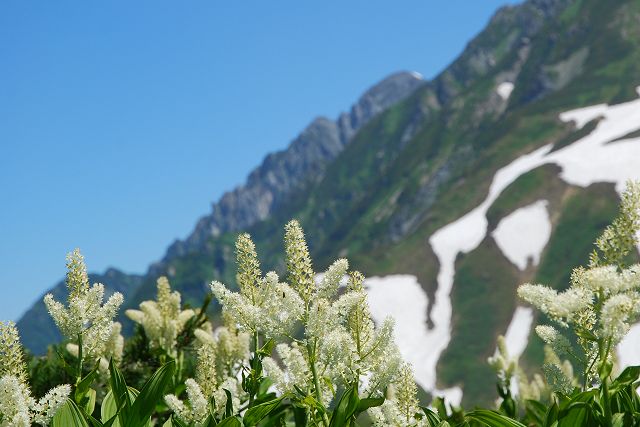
(446, 193)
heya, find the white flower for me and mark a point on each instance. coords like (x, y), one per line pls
(330, 282)
(15, 402)
(162, 320)
(400, 409)
(550, 335)
(11, 354)
(85, 314)
(561, 307)
(615, 315)
(47, 407)
(18, 408)
(296, 372)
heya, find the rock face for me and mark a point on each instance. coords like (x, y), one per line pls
(303, 161)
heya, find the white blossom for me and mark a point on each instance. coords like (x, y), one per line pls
(85, 316)
(551, 336)
(615, 315)
(46, 408)
(163, 319)
(330, 282)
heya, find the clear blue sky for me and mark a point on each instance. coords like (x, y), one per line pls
(121, 121)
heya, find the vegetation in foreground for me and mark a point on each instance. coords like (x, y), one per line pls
(306, 352)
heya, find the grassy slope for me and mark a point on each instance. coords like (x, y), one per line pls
(484, 299)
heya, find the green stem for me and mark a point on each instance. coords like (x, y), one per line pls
(256, 343)
(607, 402)
(316, 381)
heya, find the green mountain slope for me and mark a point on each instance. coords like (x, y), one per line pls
(425, 161)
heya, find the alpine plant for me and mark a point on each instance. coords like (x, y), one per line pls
(86, 321)
(219, 360)
(163, 319)
(320, 326)
(600, 304)
(18, 408)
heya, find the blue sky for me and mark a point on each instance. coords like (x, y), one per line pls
(121, 121)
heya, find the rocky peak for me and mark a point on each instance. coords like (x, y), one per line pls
(304, 161)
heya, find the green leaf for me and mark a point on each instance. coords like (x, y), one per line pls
(151, 394)
(69, 415)
(230, 422)
(267, 348)
(536, 411)
(228, 408)
(90, 401)
(617, 420)
(432, 418)
(369, 402)
(109, 408)
(492, 419)
(255, 414)
(177, 423)
(627, 377)
(120, 392)
(346, 408)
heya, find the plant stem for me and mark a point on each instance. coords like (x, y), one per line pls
(316, 382)
(256, 343)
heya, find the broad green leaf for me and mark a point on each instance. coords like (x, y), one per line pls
(109, 408)
(90, 401)
(432, 418)
(536, 411)
(120, 392)
(150, 395)
(177, 423)
(618, 420)
(230, 422)
(253, 415)
(69, 415)
(346, 408)
(493, 419)
(300, 416)
(627, 377)
(369, 402)
(576, 414)
(228, 409)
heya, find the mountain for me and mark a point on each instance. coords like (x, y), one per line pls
(280, 175)
(451, 192)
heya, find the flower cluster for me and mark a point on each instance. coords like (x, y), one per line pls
(340, 345)
(264, 304)
(503, 364)
(85, 320)
(18, 408)
(400, 409)
(220, 357)
(601, 301)
(162, 320)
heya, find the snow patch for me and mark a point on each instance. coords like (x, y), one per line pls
(590, 159)
(629, 348)
(402, 297)
(517, 336)
(417, 75)
(523, 234)
(504, 89)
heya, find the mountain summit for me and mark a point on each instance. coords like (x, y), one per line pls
(448, 193)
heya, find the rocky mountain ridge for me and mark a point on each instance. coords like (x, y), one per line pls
(304, 160)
